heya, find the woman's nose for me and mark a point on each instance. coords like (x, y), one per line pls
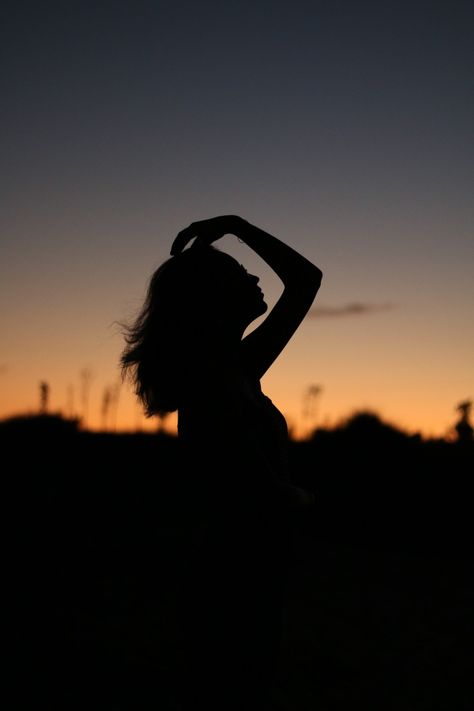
(254, 278)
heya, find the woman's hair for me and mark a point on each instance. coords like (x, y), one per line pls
(182, 309)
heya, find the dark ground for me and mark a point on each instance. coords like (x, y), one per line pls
(379, 611)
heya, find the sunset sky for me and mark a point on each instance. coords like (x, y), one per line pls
(344, 128)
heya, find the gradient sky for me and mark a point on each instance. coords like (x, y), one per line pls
(344, 128)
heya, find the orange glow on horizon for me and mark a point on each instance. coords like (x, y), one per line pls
(397, 364)
(430, 419)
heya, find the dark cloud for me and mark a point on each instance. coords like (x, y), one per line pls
(355, 308)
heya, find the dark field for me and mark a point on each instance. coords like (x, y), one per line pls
(379, 609)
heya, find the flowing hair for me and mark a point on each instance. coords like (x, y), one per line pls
(179, 313)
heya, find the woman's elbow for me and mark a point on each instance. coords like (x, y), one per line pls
(308, 279)
(315, 277)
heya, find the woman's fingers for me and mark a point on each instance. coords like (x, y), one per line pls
(182, 239)
(205, 231)
(198, 230)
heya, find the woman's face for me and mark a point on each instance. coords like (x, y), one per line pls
(240, 290)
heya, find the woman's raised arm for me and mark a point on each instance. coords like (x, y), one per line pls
(301, 280)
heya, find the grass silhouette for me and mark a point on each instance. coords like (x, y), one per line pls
(378, 612)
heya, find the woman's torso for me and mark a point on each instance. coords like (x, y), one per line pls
(233, 442)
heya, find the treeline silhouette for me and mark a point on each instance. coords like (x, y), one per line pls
(100, 526)
(372, 481)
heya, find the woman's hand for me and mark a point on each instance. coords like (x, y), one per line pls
(205, 232)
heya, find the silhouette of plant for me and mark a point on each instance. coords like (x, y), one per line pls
(463, 427)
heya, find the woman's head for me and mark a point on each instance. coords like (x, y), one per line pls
(194, 300)
(211, 285)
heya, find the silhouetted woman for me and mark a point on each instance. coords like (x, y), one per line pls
(187, 352)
